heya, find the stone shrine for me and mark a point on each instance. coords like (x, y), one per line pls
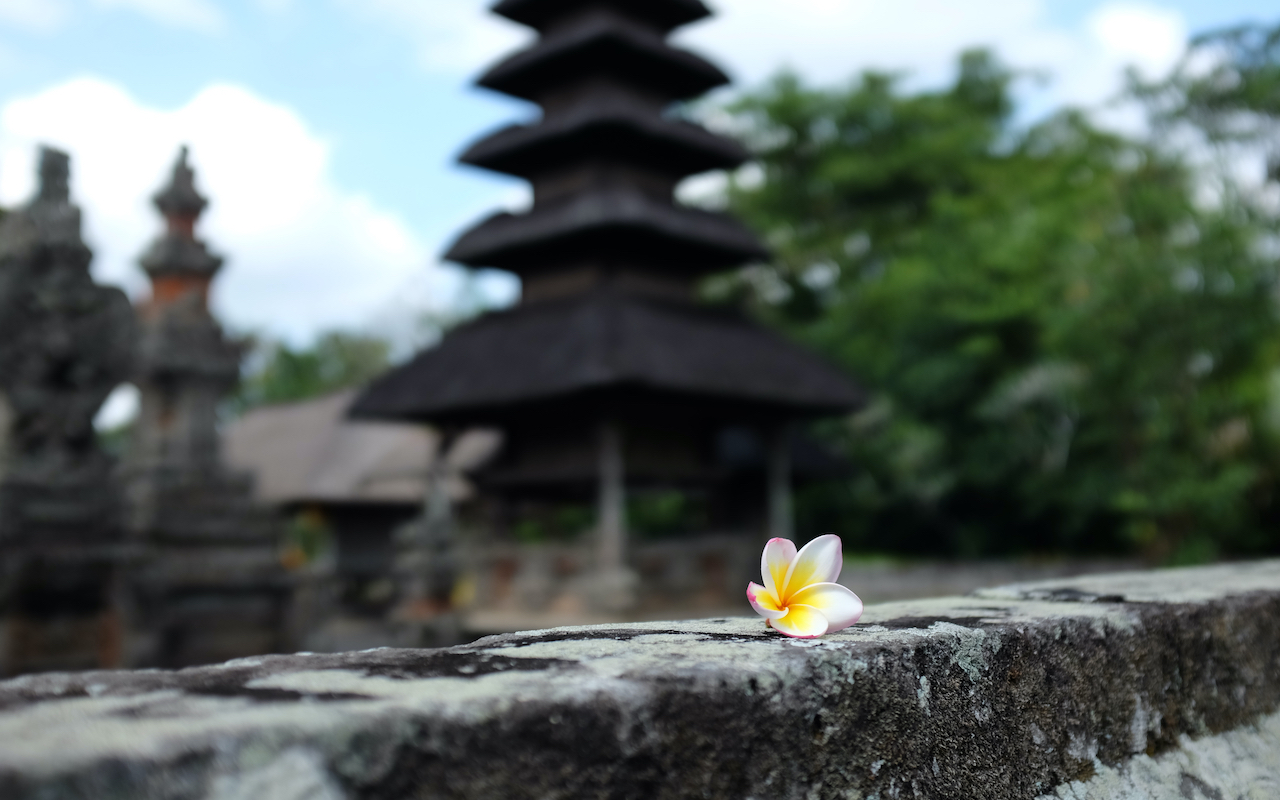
(211, 586)
(608, 376)
(65, 344)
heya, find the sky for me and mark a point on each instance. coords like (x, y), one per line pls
(325, 131)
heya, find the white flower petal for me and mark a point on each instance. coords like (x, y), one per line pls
(837, 603)
(818, 561)
(801, 622)
(763, 601)
(775, 561)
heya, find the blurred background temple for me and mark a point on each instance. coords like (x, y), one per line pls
(982, 342)
(608, 377)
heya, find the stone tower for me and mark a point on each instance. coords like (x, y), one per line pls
(211, 586)
(609, 374)
(65, 344)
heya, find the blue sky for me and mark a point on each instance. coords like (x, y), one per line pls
(325, 130)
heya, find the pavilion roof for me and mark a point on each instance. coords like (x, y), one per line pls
(309, 452)
(600, 341)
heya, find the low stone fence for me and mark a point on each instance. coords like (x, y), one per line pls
(1134, 685)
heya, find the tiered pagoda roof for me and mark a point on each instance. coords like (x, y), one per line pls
(605, 159)
(607, 256)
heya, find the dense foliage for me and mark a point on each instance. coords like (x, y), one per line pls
(1070, 335)
(278, 373)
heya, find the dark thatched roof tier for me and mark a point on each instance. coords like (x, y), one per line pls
(615, 131)
(665, 14)
(595, 344)
(619, 226)
(604, 45)
(598, 342)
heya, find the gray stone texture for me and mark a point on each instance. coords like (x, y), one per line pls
(1068, 689)
(65, 344)
(1241, 764)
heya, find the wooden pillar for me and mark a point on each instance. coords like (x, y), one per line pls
(781, 517)
(611, 501)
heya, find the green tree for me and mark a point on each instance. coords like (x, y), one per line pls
(1066, 350)
(1227, 86)
(278, 373)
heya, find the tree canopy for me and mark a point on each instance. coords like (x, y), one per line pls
(278, 373)
(1070, 343)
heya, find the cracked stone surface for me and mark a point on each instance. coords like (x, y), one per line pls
(1151, 685)
(1241, 764)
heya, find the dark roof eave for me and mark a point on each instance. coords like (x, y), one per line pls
(606, 346)
(667, 14)
(504, 240)
(604, 46)
(729, 407)
(674, 147)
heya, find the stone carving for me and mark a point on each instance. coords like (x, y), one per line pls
(65, 344)
(212, 586)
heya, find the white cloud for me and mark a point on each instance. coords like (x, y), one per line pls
(302, 254)
(455, 37)
(35, 15)
(1150, 37)
(828, 40)
(120, 408)
(196, 15)
(831, 40)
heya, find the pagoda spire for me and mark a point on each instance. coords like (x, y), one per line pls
(177, 262)
(181, 199)
(184, 361)
(605, 157)
(209, 545)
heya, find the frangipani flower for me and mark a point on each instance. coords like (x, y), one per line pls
(800, 597)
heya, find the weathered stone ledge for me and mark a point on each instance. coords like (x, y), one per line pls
(1082, 688)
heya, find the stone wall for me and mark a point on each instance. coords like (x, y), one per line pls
(1138, 685)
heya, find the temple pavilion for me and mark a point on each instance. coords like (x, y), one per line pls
(608, 375)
